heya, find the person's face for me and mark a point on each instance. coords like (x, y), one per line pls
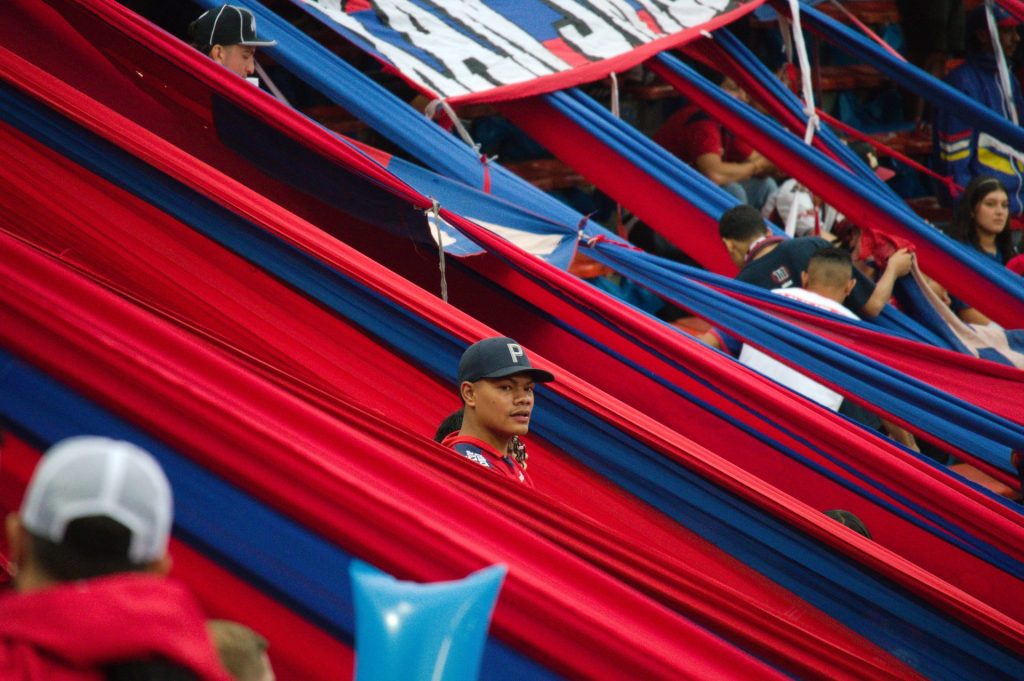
(238, 59)
(730, 86)
(503, 405)
(992, 212)
(737, 252)
(1009, 38)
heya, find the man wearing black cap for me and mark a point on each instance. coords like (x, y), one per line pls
(227, 35)
(496, 384)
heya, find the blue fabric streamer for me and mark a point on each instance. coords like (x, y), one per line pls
(816, 162)
(960, 423)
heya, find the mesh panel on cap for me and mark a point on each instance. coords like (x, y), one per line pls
(92, 476)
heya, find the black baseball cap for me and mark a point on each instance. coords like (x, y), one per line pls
(497, 358)
(227, 25)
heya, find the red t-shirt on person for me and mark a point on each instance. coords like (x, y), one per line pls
(689, 133)
(480, 452)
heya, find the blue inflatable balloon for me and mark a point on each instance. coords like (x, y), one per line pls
(406, 631)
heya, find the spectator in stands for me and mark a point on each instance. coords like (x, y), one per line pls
(776, 262)
(227, 35)
(962, 151)
(815, 217)
(89, 548)
(848, 235)
(496, 383)
(825, 283)
(242, 651)
(718, 154)
(982, 221)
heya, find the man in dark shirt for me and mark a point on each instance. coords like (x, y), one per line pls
(776, 262)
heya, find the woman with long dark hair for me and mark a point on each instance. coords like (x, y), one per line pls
(982, 221)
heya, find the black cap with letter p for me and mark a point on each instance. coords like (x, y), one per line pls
(497, 358)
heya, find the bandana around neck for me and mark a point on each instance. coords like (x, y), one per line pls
(759, 245)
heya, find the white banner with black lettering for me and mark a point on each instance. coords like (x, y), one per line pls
(486, 50)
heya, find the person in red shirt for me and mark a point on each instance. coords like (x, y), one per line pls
(496, 383)
(91, 600)
(701, 141)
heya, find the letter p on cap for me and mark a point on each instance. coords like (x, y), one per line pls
(516, 351)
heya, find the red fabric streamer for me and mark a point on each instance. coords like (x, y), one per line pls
(953, 188)
(299, 649)
(271, 217)
(487, 173)
(355, 480)
(147, 236)
(1014, 7)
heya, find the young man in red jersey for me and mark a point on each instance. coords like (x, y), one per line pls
(496, 383)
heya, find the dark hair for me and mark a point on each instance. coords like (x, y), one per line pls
(850, 520)
(451, 424)
(148, 670)
(92, 547)
(963, 227)
(741, 223)
(831, 255)
(830, 267)
(95, 546)
(203, 47)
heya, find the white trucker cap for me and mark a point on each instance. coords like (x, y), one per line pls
(87, 476)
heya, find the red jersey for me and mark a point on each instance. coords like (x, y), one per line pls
(480, 452)
(689, 133)
(70, 632)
